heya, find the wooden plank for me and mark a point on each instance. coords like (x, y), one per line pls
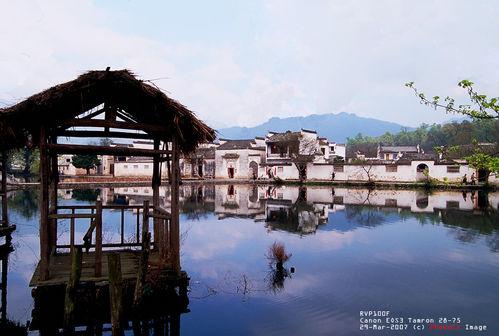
(103, 150)
(69, 216)
(126, 207)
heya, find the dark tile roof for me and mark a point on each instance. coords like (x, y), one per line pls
(237, 144)
(397, 149)
(370, 150)
(205, 153)
(461, 151)
(287, 136)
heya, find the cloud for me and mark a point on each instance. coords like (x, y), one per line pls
(240, 63)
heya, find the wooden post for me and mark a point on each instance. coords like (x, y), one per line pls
(175, 225)
(45, 247)
(115, 292)
(3, 288)
(3, 190)
(144, 257)
(156, 182)
(72, 230)
(98, 238)
(175, 323)
(70, 298)
(54, 180)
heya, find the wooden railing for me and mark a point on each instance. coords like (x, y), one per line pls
(160, 239)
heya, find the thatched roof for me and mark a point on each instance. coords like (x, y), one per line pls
(137, 99)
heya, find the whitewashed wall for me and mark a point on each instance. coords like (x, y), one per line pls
(240, 164)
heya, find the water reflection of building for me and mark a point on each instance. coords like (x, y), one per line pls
(238, 201)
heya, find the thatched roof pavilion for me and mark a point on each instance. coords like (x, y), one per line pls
(113, 104)
(134, 99)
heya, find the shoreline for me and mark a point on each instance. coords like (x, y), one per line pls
(349, 184)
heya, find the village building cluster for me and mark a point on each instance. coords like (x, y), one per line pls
(294, 156)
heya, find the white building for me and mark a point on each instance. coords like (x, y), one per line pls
(239, 159)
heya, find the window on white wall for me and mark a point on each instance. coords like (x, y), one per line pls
(391, 169)
(280, 169)
(125, 167)
(135, 166)
(146, 166)
(453, 169)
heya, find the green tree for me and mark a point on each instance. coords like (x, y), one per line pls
(86, 161)
(484, 161)
(27, 159)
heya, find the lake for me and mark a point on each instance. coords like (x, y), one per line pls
(417, 255)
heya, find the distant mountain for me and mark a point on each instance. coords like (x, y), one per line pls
(335, 127)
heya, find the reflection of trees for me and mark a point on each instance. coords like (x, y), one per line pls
(364, 215)
(493, 241)
(421, 217)
(469, 226)
(195, 207)
(86, 195)
(25, 202)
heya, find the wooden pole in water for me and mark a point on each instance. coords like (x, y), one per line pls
(3, 191)
(115, 293)
(70, 298)
(98, 238)
(175, 225)
(144, 257)
(45, 248)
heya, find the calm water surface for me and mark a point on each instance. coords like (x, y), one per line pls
(417, 255)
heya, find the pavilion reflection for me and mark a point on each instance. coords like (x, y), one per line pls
(7, 327)
(160, 312)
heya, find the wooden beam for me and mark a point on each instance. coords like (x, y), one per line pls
(104, 150)
(103, 134)
(93, 114)
(114, 124)
(44, 208)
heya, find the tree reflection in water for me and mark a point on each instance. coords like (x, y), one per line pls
(24, 202)
(197, 205)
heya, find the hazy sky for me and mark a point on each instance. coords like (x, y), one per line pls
(242, 62)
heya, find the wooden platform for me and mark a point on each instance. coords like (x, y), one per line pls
(60, 266)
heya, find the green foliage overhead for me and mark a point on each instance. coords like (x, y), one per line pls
(484, 161)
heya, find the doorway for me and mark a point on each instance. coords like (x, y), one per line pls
(230, 172)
